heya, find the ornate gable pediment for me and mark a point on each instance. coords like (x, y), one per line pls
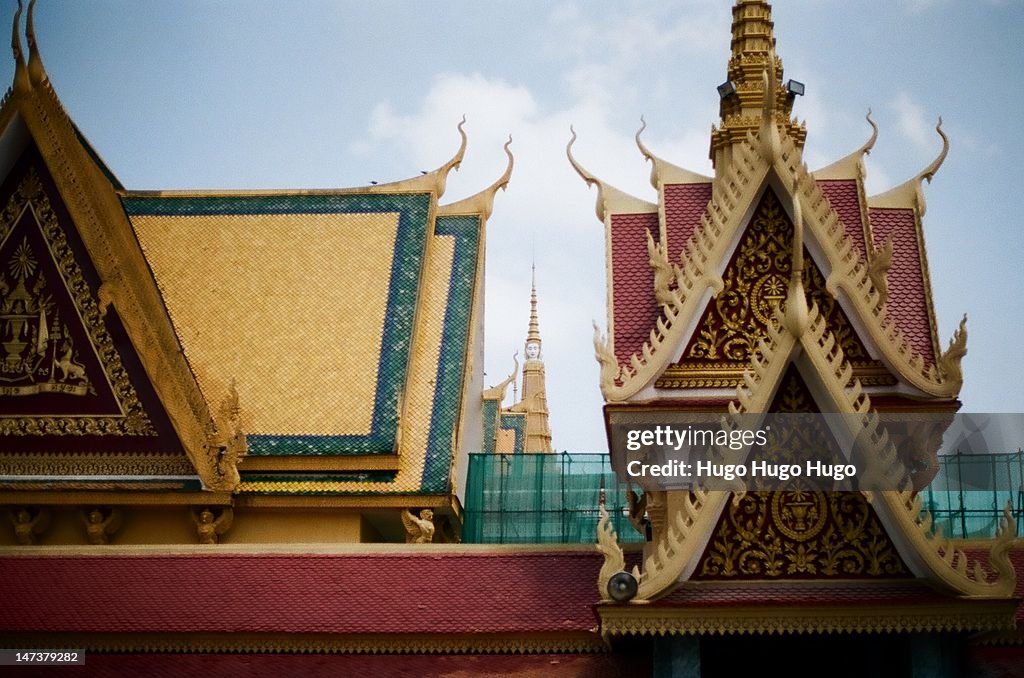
(737, 318)
(802, 533)
(70, 378)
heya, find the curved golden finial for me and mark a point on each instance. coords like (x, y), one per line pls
(770, 142)
(663, 172)
(909, 193)
(853, 164)
(609, 198)
(870, 144)
(643, 149)
(929, 171)
(21, 80)
(36, 72)
(482, 203)
(429, 181)
(441, 173)
(797, 314)
(498, 392)
(585, 175)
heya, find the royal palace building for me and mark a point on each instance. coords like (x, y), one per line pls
(251, 454)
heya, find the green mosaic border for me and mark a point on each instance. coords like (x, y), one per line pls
(490, 423)
(403, 297)
(517, 423)
(451, 369)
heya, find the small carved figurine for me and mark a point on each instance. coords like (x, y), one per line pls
(27, 527)
(418, 530)
(210, 527)
(99, 528)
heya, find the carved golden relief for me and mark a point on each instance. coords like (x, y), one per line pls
(755, 282)
(38, 356)
(798, 534)
(802, 533)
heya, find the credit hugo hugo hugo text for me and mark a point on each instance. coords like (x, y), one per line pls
(668, 437)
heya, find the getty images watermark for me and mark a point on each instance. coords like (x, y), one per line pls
(801, 451)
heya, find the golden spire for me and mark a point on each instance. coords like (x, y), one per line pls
(533, 334)
(743, 94)
(534, 403)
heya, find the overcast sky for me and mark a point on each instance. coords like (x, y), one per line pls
(336, 94)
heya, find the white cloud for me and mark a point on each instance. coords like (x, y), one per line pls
(912, 121)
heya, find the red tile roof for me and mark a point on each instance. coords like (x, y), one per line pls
(684, 206)
(396, 592)
(908, 300)
(633, 305)
(843, 195)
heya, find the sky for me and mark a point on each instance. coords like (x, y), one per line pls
(270, 94)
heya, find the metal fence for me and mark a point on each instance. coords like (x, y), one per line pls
(553, 498)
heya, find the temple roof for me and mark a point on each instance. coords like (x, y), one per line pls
(357, 590)
(327, 330)
(124, 597)
(665, 260)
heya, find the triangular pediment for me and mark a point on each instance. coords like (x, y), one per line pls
(755, 281)
(71, 380)
(803, 532)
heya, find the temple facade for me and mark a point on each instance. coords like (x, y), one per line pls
(773, 289)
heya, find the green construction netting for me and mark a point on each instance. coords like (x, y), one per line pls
(969, 493)
(553, 498)
(541, 499)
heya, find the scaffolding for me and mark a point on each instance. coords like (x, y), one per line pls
(553, 498)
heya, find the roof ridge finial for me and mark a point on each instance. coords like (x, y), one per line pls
(929, 172)
(533, 334)
(482, 203)
(36, 71)
(21, 80)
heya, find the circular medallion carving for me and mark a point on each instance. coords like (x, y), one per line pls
(799, 515)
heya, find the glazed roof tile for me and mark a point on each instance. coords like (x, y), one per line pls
(844, 197)
(908, 298)
(684, 205)
(384, 592)
(633, 305)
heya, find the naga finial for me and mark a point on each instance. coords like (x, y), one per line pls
(948, 363)
(36, 72)
(21, 79)
(929, 172)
